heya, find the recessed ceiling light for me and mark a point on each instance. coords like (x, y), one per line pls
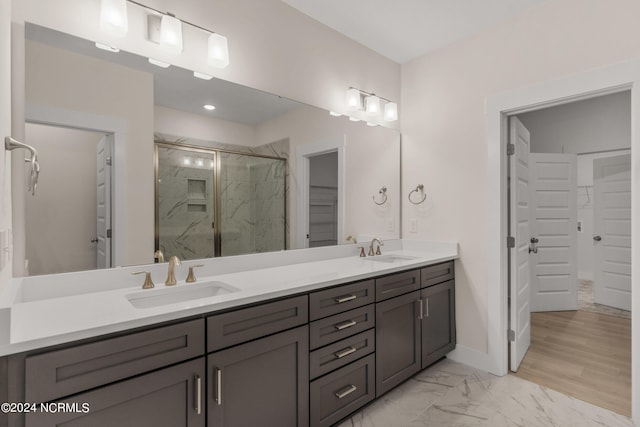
(209, 107)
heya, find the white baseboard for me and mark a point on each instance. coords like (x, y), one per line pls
(471, 357)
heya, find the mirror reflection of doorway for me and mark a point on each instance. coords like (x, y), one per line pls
(323, 200)
(68, 221)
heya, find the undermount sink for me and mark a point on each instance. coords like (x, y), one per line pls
(179, 293)
(391, 258)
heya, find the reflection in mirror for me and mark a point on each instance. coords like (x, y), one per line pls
(273, 141)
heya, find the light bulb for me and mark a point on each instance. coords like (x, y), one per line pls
(373, 105)
(391, 112)
(353, 99)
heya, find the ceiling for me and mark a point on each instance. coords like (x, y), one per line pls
(402, 30)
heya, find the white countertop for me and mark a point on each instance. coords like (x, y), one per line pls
(37, 312)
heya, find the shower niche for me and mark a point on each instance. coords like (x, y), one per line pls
(212, 202)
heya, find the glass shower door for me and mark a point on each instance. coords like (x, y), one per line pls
(252, 204)
(185, 212)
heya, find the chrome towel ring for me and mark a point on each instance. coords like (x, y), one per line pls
(418, 189)
(382, 191)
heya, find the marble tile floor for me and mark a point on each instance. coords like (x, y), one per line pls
(450, 394)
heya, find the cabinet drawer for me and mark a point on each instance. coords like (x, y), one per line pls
(338, 394)
(341, 353)
(343, 298)
(334, 328)
(225, 330)
(64, 372)
(397, 284)
(438, 273)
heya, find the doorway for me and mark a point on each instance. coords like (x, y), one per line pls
(320, 193)
(75, 195)
(596, 130)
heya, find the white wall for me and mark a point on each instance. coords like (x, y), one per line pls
(61, 216)
(596, 124)
(57, 79)
(5, 129)
(443, 126)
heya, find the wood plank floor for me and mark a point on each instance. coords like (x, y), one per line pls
(583, 354)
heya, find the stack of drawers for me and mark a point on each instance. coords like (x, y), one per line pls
(342, 344)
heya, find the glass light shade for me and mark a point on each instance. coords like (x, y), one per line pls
(171, 34)
(373, 105)
(218, 51)
(391, 112)
(353, 99)
(113, 17)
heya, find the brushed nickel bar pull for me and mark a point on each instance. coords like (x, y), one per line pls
(219, 386)
(427, 299)
(345, 298)
(346, 391)
(345, 352)
(198, 407)
(420, 311)
(345, 325)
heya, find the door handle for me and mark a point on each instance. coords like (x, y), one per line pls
(218, 397)
(597, 238)
(532, 247)
(198, 405)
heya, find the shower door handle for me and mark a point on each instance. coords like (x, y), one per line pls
(213, 224)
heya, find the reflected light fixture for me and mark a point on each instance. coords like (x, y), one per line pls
(159, 63)
(107, 47)
(209, 107)
(171, 34)
(334, 114)
(202, 76)
(113, 17)
(218, 51)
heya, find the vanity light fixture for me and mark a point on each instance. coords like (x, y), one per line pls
(391, 112)
(165, 29)
(354, 119)
(209, 107)
(113, 17)
(354, 99)
(371, 124)
(171, 33)
(334, 114)
(374, 105)
(218, 51)
(159, 63)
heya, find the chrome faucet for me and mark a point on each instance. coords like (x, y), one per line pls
(158, 256)
(174, 262)
(378, 252)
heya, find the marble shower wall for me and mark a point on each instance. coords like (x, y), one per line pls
(253, 194)
(185, 203)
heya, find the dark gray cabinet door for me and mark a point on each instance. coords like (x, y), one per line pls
(397, 340)
(164, 398)
(261, 383)
(439, 322)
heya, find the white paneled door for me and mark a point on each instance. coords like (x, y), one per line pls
(612, 231)
(103, 217)
(554, 256)
(519, 283)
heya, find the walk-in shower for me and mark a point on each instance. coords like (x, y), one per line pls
(213, 202)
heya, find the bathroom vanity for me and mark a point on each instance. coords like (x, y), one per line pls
(340, 333)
